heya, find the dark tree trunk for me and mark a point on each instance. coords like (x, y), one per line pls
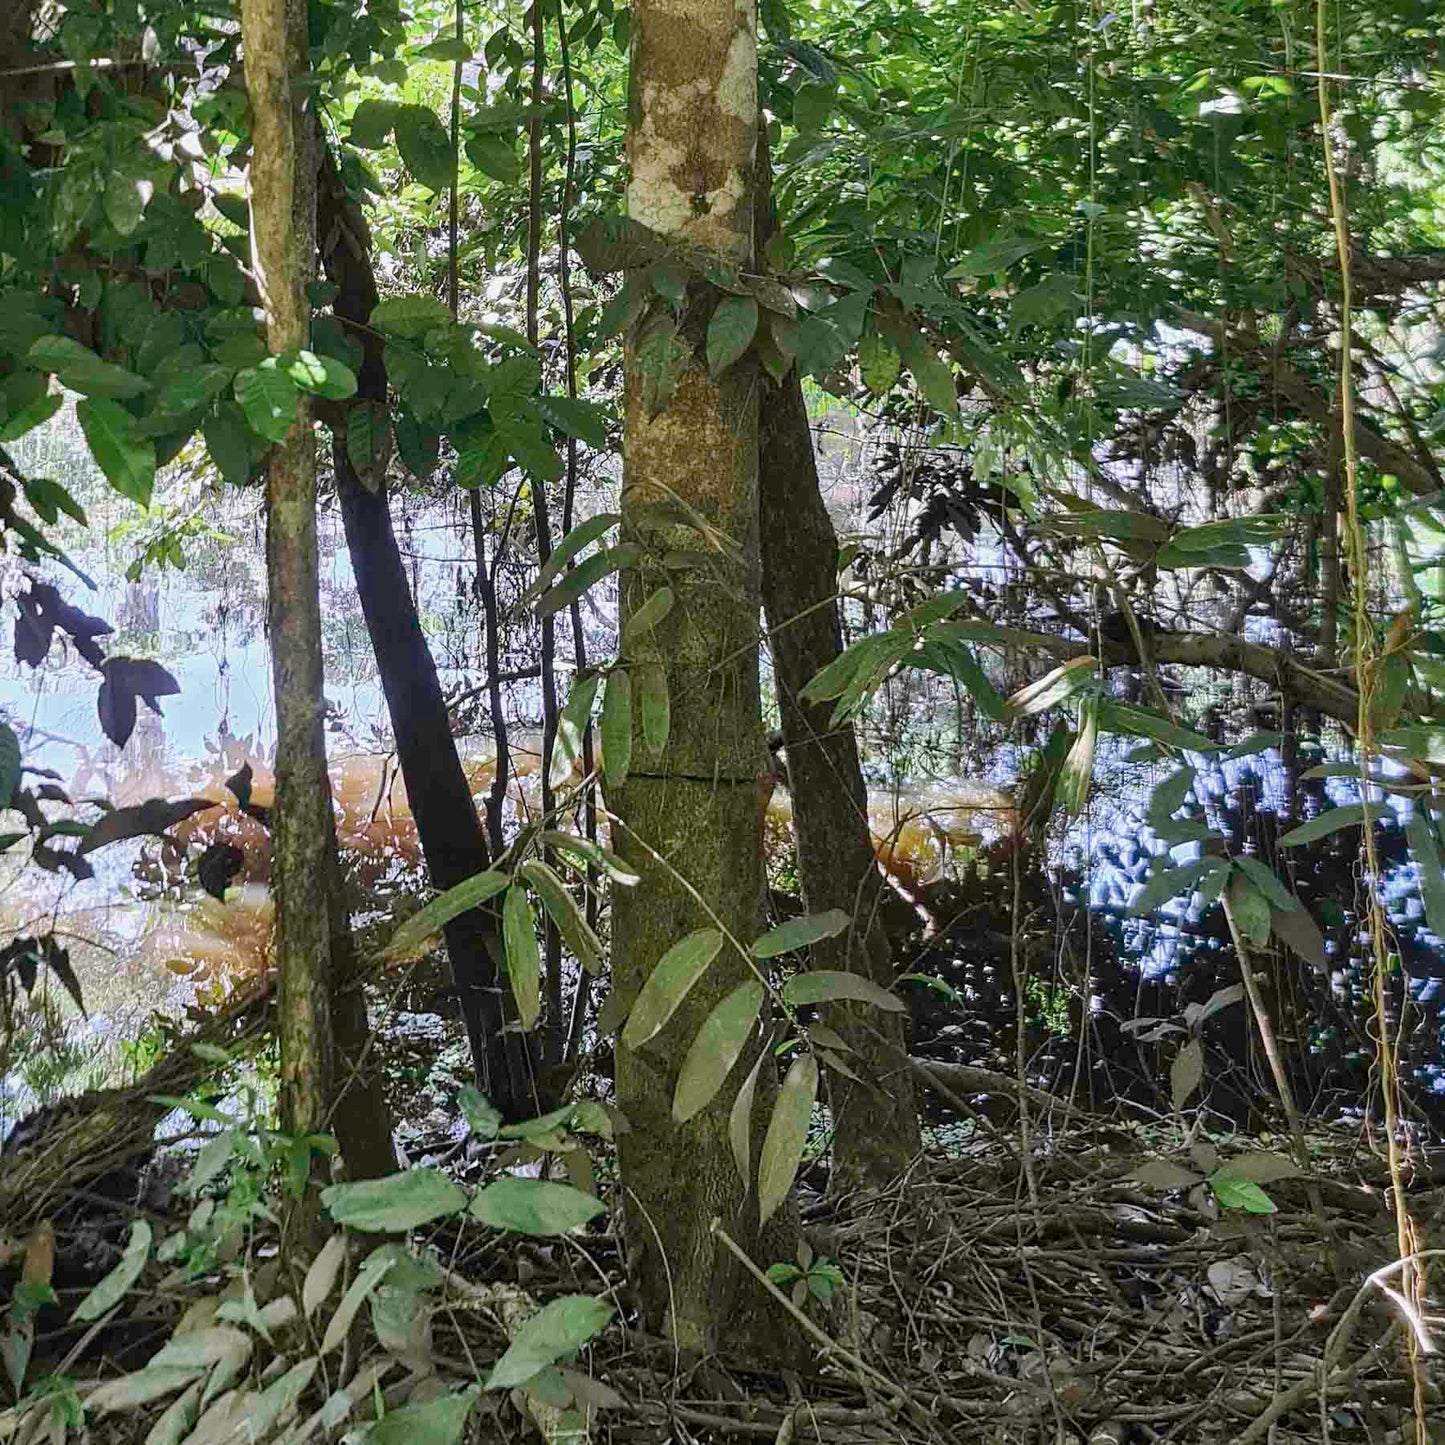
(451, 836)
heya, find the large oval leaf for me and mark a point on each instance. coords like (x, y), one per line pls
(438, 1421)
(730, 332)
(832, 986)
(559, 903)
(668, 984)
(787, 1134)
(111, 1290)
(442, 909)
(534, 1206)
(800, 932)
(555, 1330)
(647, 617)
(524, 959)
(715, 1050)
(617, 727)
(396, 1203)
(127, 458)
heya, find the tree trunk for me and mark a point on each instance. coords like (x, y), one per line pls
(451, 836)
(691, 146)
(282, 227)
(875, 1122)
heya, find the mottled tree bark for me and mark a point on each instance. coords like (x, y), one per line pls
(305, 877)
(691, 143)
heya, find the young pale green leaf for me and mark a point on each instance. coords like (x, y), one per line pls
(730, 332)
(534, 1206)
(1249, 907)
(394, 1204)
(571, 923)
(786, 1136)
(434, 916)
(1332, 820)
(1076, 776)
(617, 727)
(880, 362)
(581, 536)
(483, 1117)
(1053, 687)
(647, 617)
(1245, 1194)
(324, 376)
(112, 1289)
(830, 986)
(127, 458)
(175, 1422)
(591, 855)
(377, 1266)
(800, 932)
(556, 1330)
(740, 1123)
(586, 574)
(655, 707)
(668, 984)
(268, 397)
(524, 959)
(715, 1050)
(571, 728)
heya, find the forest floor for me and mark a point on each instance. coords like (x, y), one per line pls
(1100, 1295)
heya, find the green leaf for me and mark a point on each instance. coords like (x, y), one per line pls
(1242, 1194)
(1250, 909)
(112, 1289)
(124, 202)
(730, 332)
(1172, 882)
(9, 764)
(1297, 930)
(1265, 880)
(603, 859)
(590, 571)
(1168, 797)
(740, 1122)
(524, 960)
(483, 1118)
(411, 316)
(556, 1330)
(811, 107)
(662, 358)
(30, 416)
(1332, 820)
(80, 369)
(1053, 687)
(582, 535)
(1052, 299)
(434, 916)
(880, 363)
(933, 375)
(127, 458)
(141, 1387)
(229, 443)
(787, 1134)
(669, 280)
(571, 728)
(371, 124)
(268, 396)
(438, 1421)
(1118, 717)
(829, 986)
(668, 984)
(449, 48)
(378, 1265)
(995, 256)
(360, 442)
(584, 420)
(1426, 849)
(1186, 1073)
(800, 932)
(1113, 524)
(323, 375)
(534, 1206)
(396, 1203)
(715, 1050)
(424, 146)
(617, 727)
(656, 709)
(647, 617)
(494, 156)
(559, 903)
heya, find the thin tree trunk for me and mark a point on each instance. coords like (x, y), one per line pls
(303, 873)
(691, 146)
(440, 797)
(875, 1121)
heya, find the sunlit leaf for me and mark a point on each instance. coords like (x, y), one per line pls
(829, 986)
(562, 907)
(668, 984)
(534, 1206)
(800, 932)
(432, 917)
(395, 1203)
(715, 1050)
